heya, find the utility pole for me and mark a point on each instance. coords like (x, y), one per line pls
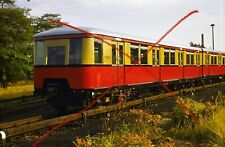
(212, 25)
(202, 41)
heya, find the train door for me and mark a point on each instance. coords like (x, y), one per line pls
(118, 63)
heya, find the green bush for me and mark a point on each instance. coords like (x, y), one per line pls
(211, 117)
(200, 110)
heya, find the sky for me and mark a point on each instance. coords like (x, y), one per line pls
(144, 18)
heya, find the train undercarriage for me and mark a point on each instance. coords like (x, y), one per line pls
(60, 95)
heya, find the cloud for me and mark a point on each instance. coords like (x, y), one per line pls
(147, 18)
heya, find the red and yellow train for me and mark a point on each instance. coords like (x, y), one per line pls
(75, 67)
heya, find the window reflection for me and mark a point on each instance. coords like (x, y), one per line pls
(56, 55)
(39, 53)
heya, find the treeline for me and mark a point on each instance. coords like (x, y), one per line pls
(17, 28)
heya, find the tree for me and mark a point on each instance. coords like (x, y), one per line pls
(43, 23)
(7, 2)
(16, 34)
(16, 43)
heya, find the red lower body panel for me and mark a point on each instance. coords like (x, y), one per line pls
(92, 77)
(192, 72)
(223, 69)
(97, 76)
(141, 74)
(206, 71)
(214, 70)
(169, 73)
(88, 77)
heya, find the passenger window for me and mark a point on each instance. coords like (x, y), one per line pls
(180, 58)
(56, 55)
(206, 59)
(144, 56)
(198, 59)
(223, 60)
(169, 56)
(153, 57)
(113, 54)
(188, 58)
(157, 59)
(134, 54)
(75, 51)
(166, 57)
(219, 60)
(98, 52)
(121, 54)
(172, 57)
(192, 59)
(212, 60)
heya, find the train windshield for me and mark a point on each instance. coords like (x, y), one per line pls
(56, 55)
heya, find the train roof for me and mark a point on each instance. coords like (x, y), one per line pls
(69, 31)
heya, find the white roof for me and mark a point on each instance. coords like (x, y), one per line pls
(70, 31)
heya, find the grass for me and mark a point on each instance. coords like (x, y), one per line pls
(19, 89)
(211, 129)
(216, 125)
(130, 128)
(138, 127)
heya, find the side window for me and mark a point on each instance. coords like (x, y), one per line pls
(192, 59)
(188, 58)
(172, 57)
(206, 59)
(153, 57)
(121, 52)
(180, 58)
(75, 52)
(223, 60)
(212, 60)
(39, 53)
(197, 59)
(166, 56)
(113, 54)
(157, 59)
(219, 60)
(215, 60)
(144, 56)
(134, 52)
(98, 51)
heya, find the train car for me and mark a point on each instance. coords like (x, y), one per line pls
(72, 67)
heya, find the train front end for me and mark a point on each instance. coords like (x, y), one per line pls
(59, 74)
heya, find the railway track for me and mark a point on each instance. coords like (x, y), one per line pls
(7, 106)
(21, 122)
(16, 128)
(20, 108)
